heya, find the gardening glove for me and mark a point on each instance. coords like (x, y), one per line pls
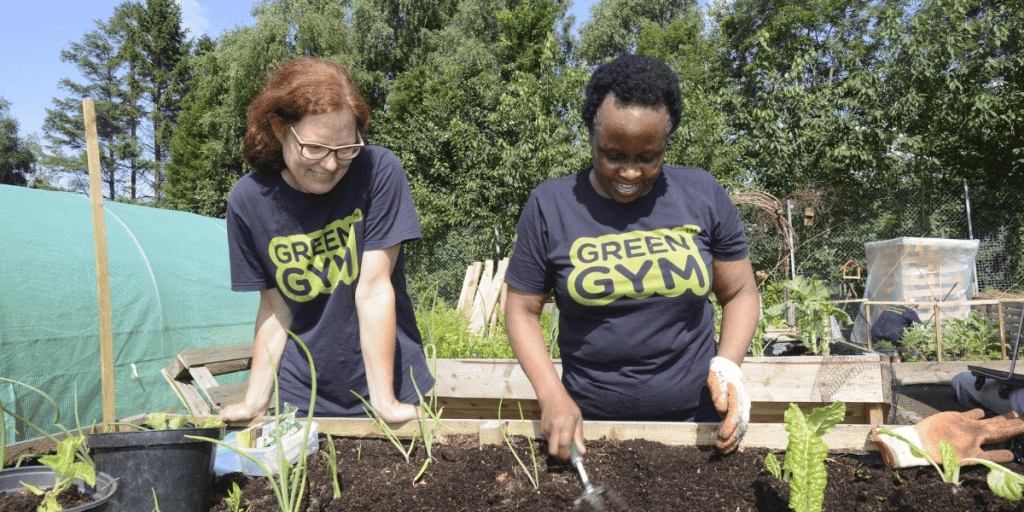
(965, 431)
(725, 383)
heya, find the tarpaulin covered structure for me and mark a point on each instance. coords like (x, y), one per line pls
(169, 291)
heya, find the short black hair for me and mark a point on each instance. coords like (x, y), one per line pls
(634, 80)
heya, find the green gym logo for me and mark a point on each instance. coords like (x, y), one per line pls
(314, 263)
(638, 265)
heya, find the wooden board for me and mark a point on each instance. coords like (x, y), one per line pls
(477, 315)
(468, 292)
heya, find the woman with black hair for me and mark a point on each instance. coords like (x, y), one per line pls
(632, 249)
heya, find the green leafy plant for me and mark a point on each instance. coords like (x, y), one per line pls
(535, 477)
(66, 469)
(290, 483)
(811, 299)
(234, 498)
(428, 410)
(971, 338)
(804, 468)
(82, 452)
(1001, 480)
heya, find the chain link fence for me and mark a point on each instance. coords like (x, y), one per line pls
(832, 226)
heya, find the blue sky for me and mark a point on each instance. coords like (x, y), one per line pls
(35, 31)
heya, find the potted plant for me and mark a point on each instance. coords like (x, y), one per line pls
(159, 465)
(69, 466)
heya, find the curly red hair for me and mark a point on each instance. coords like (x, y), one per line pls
(302, 87)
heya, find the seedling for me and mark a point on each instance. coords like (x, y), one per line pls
(332, 463)
(234, 499)
(1001, 480)
(66, 470)
(805, 455)
(535, 478)
(290, 484)
(386, 429)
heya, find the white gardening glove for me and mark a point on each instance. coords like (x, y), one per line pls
(725, 383)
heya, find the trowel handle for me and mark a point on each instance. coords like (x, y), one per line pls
(577, 460)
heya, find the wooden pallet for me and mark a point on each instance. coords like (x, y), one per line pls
(473, 388)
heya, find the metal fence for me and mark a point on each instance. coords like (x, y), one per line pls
(843, 221)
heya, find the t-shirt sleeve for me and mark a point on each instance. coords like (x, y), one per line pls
(728, 242)
(247, 272)
(391, 215)
(529, 268)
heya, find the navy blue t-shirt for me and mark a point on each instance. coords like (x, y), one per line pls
(892, 321)
(632, 284)
(310, 248)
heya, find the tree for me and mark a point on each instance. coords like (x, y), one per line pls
(16, 159)
(96, 57)
(153, 49)
(616, 25)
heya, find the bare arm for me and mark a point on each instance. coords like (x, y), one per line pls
(375, 305)
(736, 291)
(272, 322)
(561, 420)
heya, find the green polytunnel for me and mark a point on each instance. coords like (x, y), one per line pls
(170, 290)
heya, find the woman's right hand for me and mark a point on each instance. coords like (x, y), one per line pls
(240, 412)
(561, 423)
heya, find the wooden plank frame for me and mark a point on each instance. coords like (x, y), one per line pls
(842, 437)
(473, 388)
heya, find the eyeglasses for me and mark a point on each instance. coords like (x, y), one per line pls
(315, 151)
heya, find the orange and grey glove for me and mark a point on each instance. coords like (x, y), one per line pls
(965, 431)
(725, 383)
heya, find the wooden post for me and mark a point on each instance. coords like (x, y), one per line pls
(938, 332)
(468, 293)
(99, 232)
(867, 316)
(1002, 331)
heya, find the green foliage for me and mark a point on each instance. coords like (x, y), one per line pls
(16, 159)
(234, 497)
(973, 338)
(65, 469)
(811, 298)
(805, 455)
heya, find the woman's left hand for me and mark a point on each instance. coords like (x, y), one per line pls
(725, 382)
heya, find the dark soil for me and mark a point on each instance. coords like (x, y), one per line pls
(648, 476)
(25, 501)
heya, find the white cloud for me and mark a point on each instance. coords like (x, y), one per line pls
(193, 17)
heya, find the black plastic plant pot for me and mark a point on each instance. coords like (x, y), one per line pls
(43, 478)
(178, 469)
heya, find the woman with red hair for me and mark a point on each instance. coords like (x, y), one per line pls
(318, 229)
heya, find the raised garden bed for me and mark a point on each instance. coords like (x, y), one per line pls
(648, 475)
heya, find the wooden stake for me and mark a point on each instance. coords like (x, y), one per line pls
(99, 231)
(938, 333)
(1002, 331)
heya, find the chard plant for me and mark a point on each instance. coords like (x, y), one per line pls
(812, 301)
(290, 483)
(804, 468)
(1001, 480)
(66, 469)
